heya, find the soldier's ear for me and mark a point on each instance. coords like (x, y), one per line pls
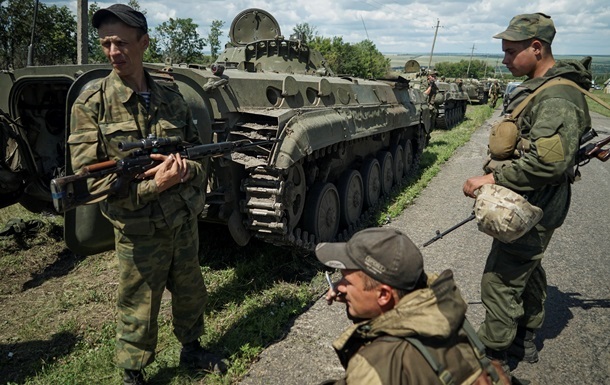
(385, 296)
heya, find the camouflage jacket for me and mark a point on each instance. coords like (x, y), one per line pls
(553, 122)
(111, 112)
(374, 352)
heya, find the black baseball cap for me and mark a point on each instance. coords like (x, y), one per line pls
(125, 13)
(383, 253)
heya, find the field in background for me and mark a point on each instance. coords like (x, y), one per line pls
(600, 65)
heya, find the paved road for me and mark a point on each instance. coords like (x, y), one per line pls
(575, 340)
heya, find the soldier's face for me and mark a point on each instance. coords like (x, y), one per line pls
(520, 57)
(360, 303)
(123, 47)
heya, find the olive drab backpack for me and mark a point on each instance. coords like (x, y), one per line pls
(491, 374)
(505, 142)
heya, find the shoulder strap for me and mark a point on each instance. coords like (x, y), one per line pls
(479, 351)
(443, 374)
(555, 82)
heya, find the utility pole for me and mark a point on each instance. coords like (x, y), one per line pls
(82, 39)
(433, 42)
(468, 70)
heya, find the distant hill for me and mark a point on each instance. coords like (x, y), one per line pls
(600, 65)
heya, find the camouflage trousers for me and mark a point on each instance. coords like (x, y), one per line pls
(147, 265)
(493, 100)
(513, 288)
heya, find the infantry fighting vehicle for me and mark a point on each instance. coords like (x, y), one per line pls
(477, 90)
(341, 142)
(449, 104)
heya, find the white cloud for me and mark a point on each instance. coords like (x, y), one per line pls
(583, 27)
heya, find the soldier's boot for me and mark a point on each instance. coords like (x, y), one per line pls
(133, 377)
(523, 347)
(501, 357)
(193, 356)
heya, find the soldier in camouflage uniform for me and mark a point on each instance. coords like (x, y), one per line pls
(406, 322)
(494, 92)
(513, 287)
(156, 234)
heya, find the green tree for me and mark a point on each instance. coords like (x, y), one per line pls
(179, 41)
(305, 32)
(477, 69)
(360, 59)
(54, 38)
(214, 38)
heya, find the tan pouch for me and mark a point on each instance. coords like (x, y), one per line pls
(503, 139)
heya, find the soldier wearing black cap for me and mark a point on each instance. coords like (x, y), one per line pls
(549, 125)
(156, 236)
(406, 322)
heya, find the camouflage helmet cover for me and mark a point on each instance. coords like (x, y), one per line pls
(504, 214)
(528, 26)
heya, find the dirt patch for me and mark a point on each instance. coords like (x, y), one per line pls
(49, 299)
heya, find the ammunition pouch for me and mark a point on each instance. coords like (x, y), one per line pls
(505, 144)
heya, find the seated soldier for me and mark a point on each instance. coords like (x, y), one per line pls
(409, 328)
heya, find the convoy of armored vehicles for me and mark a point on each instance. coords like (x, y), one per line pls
(340, 143)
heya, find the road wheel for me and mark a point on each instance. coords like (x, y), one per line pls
(398, 154)
(295, 194)
(387, 174)
(371, 181)
(321, 214)
(407, 156)
(351, 196)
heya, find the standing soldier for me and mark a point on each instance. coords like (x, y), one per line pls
(494, 91)
(155, 225)
(513, 286)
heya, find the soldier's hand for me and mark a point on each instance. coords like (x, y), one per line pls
(474, 183)
(171, 171)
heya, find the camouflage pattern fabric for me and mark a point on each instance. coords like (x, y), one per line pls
(146, 265)
(156, 234)
(504, 214)
(494, 92)
(528, 26)
(434, 315)
(513, 287)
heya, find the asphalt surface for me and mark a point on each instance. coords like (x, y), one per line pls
(574, 342)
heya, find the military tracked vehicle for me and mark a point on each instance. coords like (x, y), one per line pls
(341, 143)
(449, 104)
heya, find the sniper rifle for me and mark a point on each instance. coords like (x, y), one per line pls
(71, 191)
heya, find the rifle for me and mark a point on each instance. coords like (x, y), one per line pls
(71, 190)
(592, 150)
(440, 235)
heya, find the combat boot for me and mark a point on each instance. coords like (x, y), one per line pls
(133, 377)
(523, 347)
(193, 356)
(501, 357)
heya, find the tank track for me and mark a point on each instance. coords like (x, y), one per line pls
(265, 204)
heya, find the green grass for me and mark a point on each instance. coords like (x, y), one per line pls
(254, 293)
(596, 107)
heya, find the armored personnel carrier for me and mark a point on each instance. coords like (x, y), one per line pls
(477, 91)
(450, 104)
(339, 143)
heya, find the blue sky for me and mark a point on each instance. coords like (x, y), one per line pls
(583, 26)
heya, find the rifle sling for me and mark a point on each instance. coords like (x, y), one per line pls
(555, 82)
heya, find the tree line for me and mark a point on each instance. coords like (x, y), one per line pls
(54, 36)
(176, 40)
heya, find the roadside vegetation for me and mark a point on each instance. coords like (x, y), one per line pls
(596, 107)
(58, 308)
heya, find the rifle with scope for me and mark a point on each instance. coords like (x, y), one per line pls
(71, 191)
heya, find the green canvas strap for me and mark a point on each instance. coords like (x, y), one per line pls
(443, 375)
(555, 82)
(479, 350)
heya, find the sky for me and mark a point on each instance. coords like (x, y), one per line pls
(403, 26)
